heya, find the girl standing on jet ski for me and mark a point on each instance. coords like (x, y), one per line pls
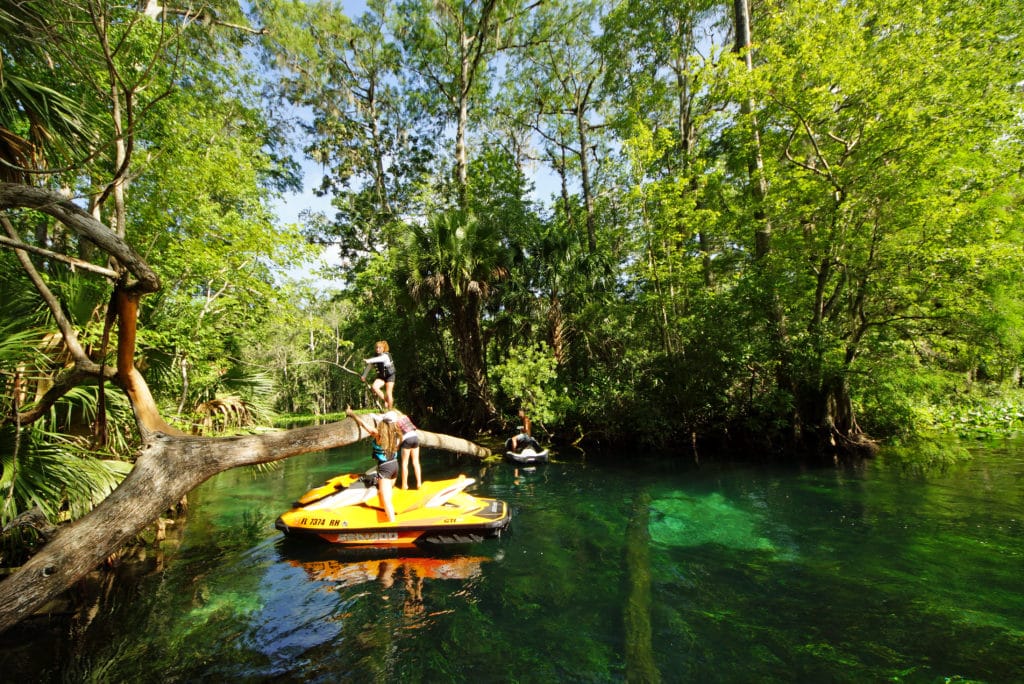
(410, 446)
(385, 367)
(386, 437)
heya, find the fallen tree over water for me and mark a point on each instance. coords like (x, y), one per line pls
(168, 468)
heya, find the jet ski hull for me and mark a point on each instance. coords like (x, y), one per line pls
(527, 456)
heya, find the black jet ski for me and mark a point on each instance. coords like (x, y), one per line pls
(527, 456)
(527, 450)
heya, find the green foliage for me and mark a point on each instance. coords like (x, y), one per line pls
(528, 378)
(347, 73)
(55, 474)
(312, 366)
(975, 417)
(451, 267)
(663, 295)
(901, 399)
(55, 468)
(249, 404)
(53, 463)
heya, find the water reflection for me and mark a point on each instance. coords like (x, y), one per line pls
(404, 580)
(385, 570)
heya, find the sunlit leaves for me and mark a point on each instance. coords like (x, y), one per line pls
(528, 378)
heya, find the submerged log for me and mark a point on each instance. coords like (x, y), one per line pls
(640, 666)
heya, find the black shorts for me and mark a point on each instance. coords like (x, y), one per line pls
(386, 377)
(388, 469)
(410, 442)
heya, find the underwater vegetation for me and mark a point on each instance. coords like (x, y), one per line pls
(685, 520)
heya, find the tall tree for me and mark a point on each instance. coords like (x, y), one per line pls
(450, 45)
(364, 131)
(663, 83)
(873, 227)
(455, 260)
(559, 78)
(743, 48)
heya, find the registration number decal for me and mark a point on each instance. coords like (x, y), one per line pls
(367, 536)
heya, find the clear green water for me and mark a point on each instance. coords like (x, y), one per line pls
(641, 572)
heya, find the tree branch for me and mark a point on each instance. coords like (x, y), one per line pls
(57, 256)
(66, 328)
(14, 195)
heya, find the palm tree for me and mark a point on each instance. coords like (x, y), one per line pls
(40, 126)
(454, 261)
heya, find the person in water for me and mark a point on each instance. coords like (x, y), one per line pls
(410, 447)
(384, 384)
(386, 436)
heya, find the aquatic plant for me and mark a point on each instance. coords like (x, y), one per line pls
(686, 520)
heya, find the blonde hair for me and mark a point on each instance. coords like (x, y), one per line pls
(383, 343)
(388, 437)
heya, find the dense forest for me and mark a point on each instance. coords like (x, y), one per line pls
(684, 225)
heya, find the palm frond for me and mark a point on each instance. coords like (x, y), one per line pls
(61, 479)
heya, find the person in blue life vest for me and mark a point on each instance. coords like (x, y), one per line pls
(386, 437)
(410, 446)
(384, 366)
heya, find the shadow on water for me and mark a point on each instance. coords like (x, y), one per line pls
(639, 570)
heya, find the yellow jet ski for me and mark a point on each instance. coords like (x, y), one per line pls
(346, 510)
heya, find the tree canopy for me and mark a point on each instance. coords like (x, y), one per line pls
(675, 225)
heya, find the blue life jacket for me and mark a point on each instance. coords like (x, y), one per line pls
(380, 455)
